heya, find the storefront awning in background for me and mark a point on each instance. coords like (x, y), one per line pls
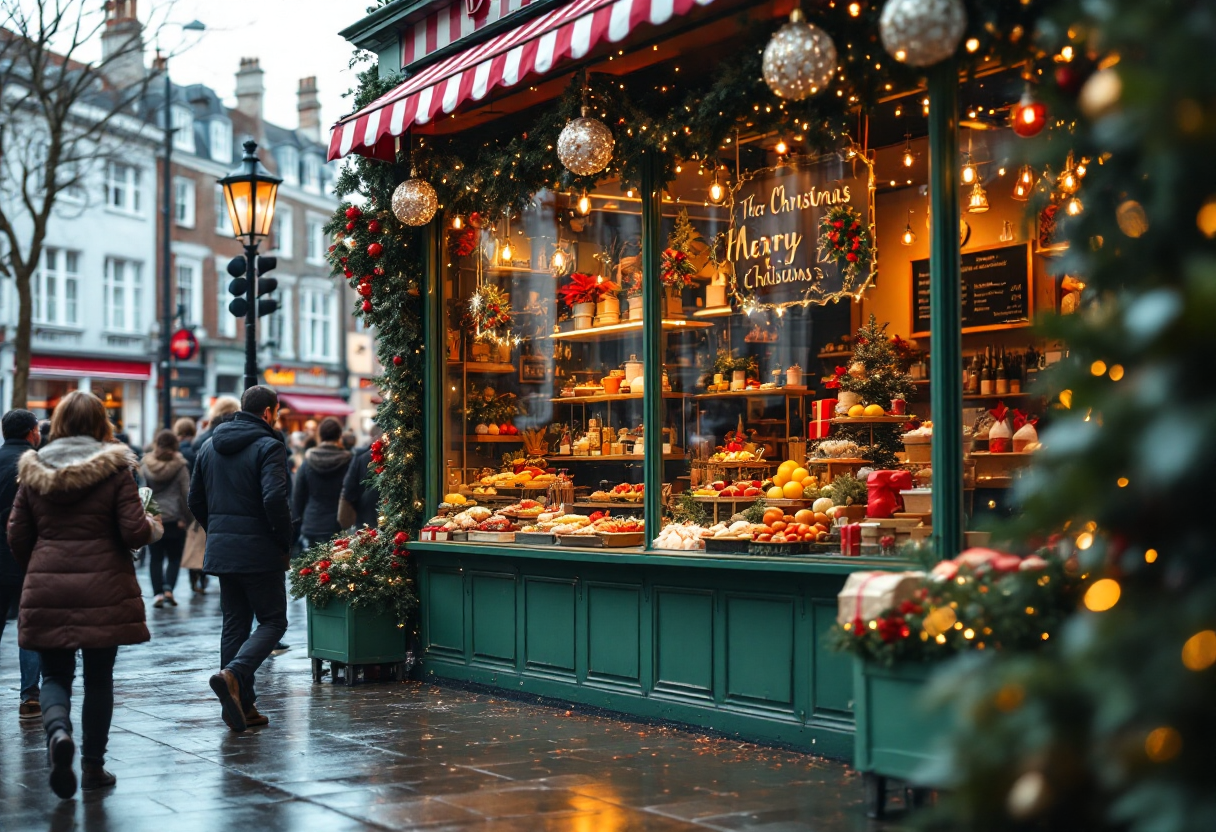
(316, 405)
(58, 366)
(532, 48)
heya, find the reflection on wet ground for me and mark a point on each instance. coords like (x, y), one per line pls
(393, 756)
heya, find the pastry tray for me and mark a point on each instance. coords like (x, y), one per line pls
(534, 538)
(590, 541)
(491, 537)
(618, 540)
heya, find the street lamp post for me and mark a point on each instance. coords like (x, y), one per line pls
(249, 193)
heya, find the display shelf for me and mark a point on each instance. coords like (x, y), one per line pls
(625, 329)
(873, 420)
(515, 271)
(837, 354)
(615, 397)
(485, 437)
(784, 392)
(991, 396)
(829, 461)
(610, 458)
(714, 312)
(483, 367)
(599, 504)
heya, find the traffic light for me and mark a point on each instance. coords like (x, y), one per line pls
(239, 286)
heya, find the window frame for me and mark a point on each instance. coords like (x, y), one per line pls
(131, 286)
(185, 207)
(131, 184)
(284, 243)
(181, 120)
(313, 179)
(311, 222)
(62, 297)
(220, 127)
(225, 321)
(288, 158)
(223, 223)
(314, 319)
(194, 309)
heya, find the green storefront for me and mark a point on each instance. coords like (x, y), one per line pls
(625, 329)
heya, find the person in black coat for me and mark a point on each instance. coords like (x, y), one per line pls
(239, 493)
(184, 430)
(360, 503)
(318, 485)
(21, 434)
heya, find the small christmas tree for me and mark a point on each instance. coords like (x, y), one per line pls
(876, 376)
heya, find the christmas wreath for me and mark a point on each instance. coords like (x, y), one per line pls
(365, 569)
(489, 309)
(844, 239)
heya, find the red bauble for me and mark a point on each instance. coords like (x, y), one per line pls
(352, 212)
(365, 290)
(348, 273)
(350, 226)
(342, 261)
(378, 271)
(1029, 116)
(401, 538)
(367, 306)
(333, 249)
(375, 250)
(374, 226)
(1068, 78)
(380, 470)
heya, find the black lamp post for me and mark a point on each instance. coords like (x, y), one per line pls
(250, 192)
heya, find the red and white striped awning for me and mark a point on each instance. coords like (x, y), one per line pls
(532, 48)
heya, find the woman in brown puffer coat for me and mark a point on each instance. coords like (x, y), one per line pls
(167, 474)
(76, 518)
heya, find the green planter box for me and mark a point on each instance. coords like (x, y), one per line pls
(897, 734)
(354, 636)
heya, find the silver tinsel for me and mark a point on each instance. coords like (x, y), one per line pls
(585, 145)
(922, 32)
(799, 60)
(415, 202)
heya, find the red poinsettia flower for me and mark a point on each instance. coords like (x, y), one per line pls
(586, 288)
(306, 571)
(852, 257)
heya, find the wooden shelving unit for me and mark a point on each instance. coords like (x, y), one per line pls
(615, 397)
(488, 367)
(486, 437)
(626, 329)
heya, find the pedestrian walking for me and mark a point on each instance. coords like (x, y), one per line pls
(185, 430)
(360, 503)
(318, 485)
(21, 434)
(239, 494)
(75, 521)
(222, 408)
(165, 472)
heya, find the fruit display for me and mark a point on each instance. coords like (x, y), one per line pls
(804, 526)
(730, 490)
(496, 523)
(733, 456)
(791, 482)
(685, 537)
(524, 508)
(858, 411)
(528, 477)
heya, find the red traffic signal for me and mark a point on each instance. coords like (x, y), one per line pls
(183, 345)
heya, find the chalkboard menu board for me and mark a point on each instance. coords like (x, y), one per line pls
(996, 291)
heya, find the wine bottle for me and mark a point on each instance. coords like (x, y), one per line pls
(1002, 378)
(985, 378)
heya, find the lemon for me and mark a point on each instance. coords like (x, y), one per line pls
(786, 467)
(810, 482)
(781, 477)
(874, 410)
(775, 493)
(799, 474)
(857, 410)
(792, 490)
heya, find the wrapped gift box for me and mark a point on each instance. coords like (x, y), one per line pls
(822, 409)
(867, 595)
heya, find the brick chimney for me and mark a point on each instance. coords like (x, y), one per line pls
(122, 44)
(249, 88)
(309, 107)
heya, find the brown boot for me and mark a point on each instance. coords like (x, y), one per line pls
(93, 776)
(254, 718)
(228, 690)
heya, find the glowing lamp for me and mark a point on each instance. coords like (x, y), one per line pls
(249, 194)
(1029, 116)
(1024, 183)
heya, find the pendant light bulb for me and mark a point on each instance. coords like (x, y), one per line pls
(781, 147)
(584, 204)
(1024, 183)
(1074, 207)
(457, 222)
(559, 259)
(978, 202)
(716, 192)
(909, 236)
(969, 174)
(909, 157)
(505, 252)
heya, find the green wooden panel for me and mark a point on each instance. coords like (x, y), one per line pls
(613, 629)
(354, 636)
(684, 642)
(493, 604)
(897, 732)
(833, 672)
(443, 608)
(549, 624)
(760, 651)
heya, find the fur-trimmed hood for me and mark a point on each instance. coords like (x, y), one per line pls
(326, 459)
(71, 465)
(160, 472)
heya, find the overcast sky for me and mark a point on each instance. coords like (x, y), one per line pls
(292, 38)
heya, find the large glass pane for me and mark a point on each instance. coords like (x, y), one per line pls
(544, 380)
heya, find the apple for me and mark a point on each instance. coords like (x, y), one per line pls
(752, 492)
(718, 485)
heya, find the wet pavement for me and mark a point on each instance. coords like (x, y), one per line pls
(393, 756)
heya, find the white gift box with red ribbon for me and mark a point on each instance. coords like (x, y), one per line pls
(867, 595)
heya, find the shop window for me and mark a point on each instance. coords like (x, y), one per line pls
(122, 187)
(46, 393)
(183, 201)
(543, 387)
(282, 231)
(318, 324)
(123, 295)
(55, 287)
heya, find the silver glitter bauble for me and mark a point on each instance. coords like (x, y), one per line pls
(585, 145)
(799, 59)
(922, 32)
(415, 202)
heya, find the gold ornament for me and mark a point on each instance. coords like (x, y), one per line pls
(585, 145)
(414, 201)
(1101, 93)
(799, 60)
(922, 32)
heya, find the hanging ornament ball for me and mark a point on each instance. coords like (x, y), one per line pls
(415, 202)
(332, 249)
(398, 360)
(375, 250)
(367, 306)
(374, 227)
(348, 273)
(378, 271)
(585, 145)
(365, 290)
(922, 32)
(353, 212)
(350, 226)
(1029, 116)
(799, 59)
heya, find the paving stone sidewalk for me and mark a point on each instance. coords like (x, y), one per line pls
(393, 756)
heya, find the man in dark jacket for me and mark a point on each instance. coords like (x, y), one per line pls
(318, 485)
(21, 434)
(360, 503)
(239, 493)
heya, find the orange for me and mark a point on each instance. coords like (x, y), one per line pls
(805, 516)
(781, 478)
(792, 490)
